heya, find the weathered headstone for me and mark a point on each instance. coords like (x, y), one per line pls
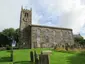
(36, 57)
(31, 56)
(43, 59)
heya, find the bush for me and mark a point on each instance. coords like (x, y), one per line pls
(8, 47)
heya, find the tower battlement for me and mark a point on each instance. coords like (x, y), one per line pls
(26, 10)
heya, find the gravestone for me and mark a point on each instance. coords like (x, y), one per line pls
(43, 59)
(36, 57)
(31, 56)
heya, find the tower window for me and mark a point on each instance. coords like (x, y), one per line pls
(26, 14)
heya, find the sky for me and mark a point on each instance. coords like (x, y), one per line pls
(58, 13)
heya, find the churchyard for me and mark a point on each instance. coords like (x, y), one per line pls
(22, 56)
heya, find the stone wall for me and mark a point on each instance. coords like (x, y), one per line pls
(25, 38)
(42, 36)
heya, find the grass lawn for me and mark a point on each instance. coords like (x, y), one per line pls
(22, 57)
(5, 57)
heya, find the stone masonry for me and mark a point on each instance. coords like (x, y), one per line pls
(44, 36)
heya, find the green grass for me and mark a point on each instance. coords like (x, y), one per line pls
(5, 57)
(22, 57)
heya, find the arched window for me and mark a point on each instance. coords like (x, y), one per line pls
(26, 14)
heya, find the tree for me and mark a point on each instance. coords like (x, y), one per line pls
(16, 35)
(82, 42)
(3, 40)
(79, 40)
(7, 34)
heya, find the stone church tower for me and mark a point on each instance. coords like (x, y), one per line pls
(25, 22)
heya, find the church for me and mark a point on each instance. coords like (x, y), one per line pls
(35, 36)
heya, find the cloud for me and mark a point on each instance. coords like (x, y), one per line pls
(73, 19)
(62, 13)
(35, 17)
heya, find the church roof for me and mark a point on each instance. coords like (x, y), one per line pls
(43, 26)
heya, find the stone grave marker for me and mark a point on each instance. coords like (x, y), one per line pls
(36, 57)
(31, 56)
(43, 59)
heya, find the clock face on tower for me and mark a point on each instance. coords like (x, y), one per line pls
(25, 19)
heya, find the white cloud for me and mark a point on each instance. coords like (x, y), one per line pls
(35, 17)
(70, 13)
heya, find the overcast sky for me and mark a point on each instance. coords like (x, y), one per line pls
(59, 13)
